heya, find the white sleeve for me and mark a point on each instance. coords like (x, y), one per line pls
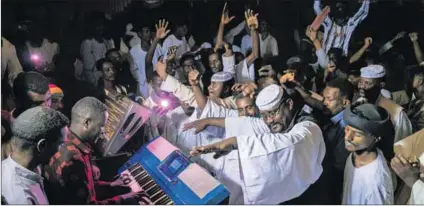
(228, 63)
(89, 62)
(417, 194)
(403, 127)
(362, 13)
(229, 37)
(244, 45)
(181, 91)
(274, 47)
(246, 73)
(322, 58)
(318, 10)
(166, 44)
(214, 110)
(237, 126)
(380, 196)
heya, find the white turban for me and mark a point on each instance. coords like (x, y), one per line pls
(373, 72)
(221, 77)
(269, 98)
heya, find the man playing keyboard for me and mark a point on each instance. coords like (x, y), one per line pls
(70, 177)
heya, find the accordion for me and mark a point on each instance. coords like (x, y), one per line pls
(125, 118)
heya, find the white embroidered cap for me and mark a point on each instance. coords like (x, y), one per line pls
(206, 45)
(292, 60)
(236, 48)
(221, 77)
(373, 72)
(269, 98)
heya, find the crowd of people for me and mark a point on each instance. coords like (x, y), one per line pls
(327, 128)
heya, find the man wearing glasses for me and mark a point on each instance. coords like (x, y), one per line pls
(280, 155)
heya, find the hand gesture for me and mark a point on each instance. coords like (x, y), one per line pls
(408, 172)
(172, 53)
(118, 182)
(142, 197)
(368, 42)
(399, 36)
(251, 19)
(228, 51)
(220, 148)
(288, 77)
(249, 89)
(161, 69)
(413, 36)
(194, 77)
(161, 31)
(199, 125)
(311, 33)
(225, 19)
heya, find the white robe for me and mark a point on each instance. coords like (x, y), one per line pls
(417, 194)
(270, 162)
(369, 184)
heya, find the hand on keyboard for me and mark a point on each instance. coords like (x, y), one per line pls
(141, 197)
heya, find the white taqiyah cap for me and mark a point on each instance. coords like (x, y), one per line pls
(269, 98)
(221, 77)
(206, 45)
(373, 72)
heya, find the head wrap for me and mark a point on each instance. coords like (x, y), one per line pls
(371, 119)
(269, 97)
(373, 72)
(221, 77)
(55, 91)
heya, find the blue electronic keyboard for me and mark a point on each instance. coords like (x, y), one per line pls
(169, 177)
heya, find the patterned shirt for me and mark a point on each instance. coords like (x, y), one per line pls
(70, 175)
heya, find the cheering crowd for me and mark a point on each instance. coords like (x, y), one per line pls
(325, 128)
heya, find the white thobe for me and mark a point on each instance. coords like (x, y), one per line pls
(91, 51)
(182, 46)
(269, 46)
(417, 194)
(139, 57)
(368, 184)
(339, 36)
(242, 73)
(270, 162)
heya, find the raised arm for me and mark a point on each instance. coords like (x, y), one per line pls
(89, 62)
(361, 51)
(417, 49)
(252, 23)
(194, 80)
(229, 37)
(317, 7)
(362, 13)
(319, 51)
(224, 20)
(161, 32)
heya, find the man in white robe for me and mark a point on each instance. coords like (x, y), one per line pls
(367, 177)
(270, 160)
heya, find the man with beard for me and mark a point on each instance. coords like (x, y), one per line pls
(416, 107)
(280, 156)
(70, 172)
(369, 138)
(370, 86)
(37, 133)
(339, 28)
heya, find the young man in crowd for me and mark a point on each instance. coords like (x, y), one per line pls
(69, 172)
(415, 110)
(368, 136)
(56, 97)
(37, 134)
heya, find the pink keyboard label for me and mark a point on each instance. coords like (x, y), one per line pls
(161, 148)
(198, 180)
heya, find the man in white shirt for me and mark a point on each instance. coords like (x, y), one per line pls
(37, 134)
(367, 177)
(177, 38)
(339, 28)
(269, 45)
(9, 61)
(370, 86)
(273, 151)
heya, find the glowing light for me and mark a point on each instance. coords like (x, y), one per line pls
(164, 103)
(35, 57)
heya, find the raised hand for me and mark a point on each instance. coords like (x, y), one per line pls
(199, 125)
(406, 170)
(413, 36)
(194, 78)
(161, 31)
(251, 19)
(172, 53)
(368, 42)
(161, 69)
(311, 33)
(225, 19)
(399, 36)
(220, 148)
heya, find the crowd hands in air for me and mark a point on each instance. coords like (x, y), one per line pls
(313, 132)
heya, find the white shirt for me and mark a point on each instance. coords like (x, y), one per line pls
(139, 57)
(182, 45)
(9, 61)
(246, 44)
(417, 194)
(368, 184)
(241, 72)
(92, 51)
(278, 167)
(269, 46)
(339, 36)
(20, 185)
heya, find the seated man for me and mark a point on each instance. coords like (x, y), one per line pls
(37, 133)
